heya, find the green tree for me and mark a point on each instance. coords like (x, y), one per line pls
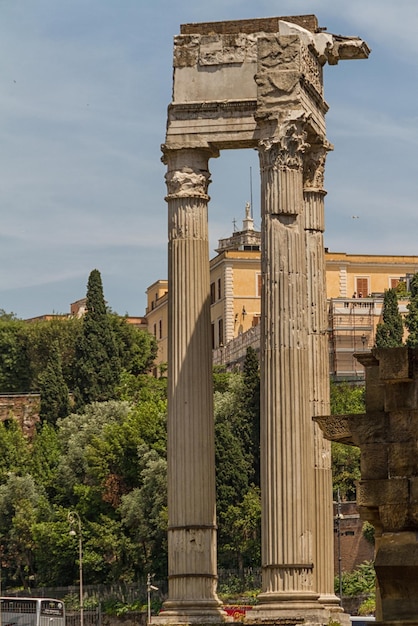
(55, 400)
(75, 434)
(45, 455)
(346, 399)
(7, 317)
(411, 318)
(144, 514)
(14, 451)
(389, 333)
(97, 364)
(137, 348)
(15, 366)
(22, 504)
(43, 336)
(250, 408)
(241, 546)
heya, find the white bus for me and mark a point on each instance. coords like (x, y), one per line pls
(31, 612)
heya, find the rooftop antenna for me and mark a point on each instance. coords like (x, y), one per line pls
(251, 191)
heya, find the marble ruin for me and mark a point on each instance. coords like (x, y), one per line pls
(387, 435)
(253, 84)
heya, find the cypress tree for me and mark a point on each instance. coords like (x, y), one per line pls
(411, 319)
(251, 408)
(389, 333)
(97, 360)
(55, 400)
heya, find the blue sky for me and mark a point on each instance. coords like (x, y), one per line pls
(84, 89)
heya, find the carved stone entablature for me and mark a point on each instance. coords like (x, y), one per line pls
(285, 150)
(214, 49)
(278, 73)
(312, 69)
(186, 50)
(188, 182)
(335, 428)
(211, 110)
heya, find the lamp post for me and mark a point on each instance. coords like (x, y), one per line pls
(149, 589)
(339, 517)
(74, 520)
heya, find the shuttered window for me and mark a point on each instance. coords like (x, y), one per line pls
(362, 286)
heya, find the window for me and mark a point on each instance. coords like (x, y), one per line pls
(212, 330)
(160, 329)
(258, 286)
(219, 289)
(155, 330)
(362, 286)
(212, 293)
(221, 332)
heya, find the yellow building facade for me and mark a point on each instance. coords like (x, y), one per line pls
(355, 288)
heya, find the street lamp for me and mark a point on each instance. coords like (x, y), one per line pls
(149, 589)
(74, 519)
(339, 517)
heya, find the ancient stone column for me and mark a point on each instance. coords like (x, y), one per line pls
(190, 447)
(287, 483)
(314, 193)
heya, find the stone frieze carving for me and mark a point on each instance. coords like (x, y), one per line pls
(311, 68)
(227, 49)
(216, 49)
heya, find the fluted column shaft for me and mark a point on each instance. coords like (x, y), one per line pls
(286, 431)
(314, 165)
(190, 446)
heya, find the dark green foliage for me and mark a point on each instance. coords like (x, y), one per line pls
(251, 408)
(237, 457)
(55, 401)
(359, 581)
(137, 348)
(241, 532)
(346, 399)
(389, 333)
(25, 350)
(22, 505)
(97, 362)
(14, 452)
(15, 366)
(7, 317)
(411, 319)
(42, 336)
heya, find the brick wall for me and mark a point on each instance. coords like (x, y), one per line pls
(266, 25)
(22, 407)
(355, 549)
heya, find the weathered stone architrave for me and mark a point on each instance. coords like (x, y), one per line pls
(252, 84)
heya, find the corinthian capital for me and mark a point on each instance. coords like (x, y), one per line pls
(187, 182)
(286, 149)
(314, 166)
